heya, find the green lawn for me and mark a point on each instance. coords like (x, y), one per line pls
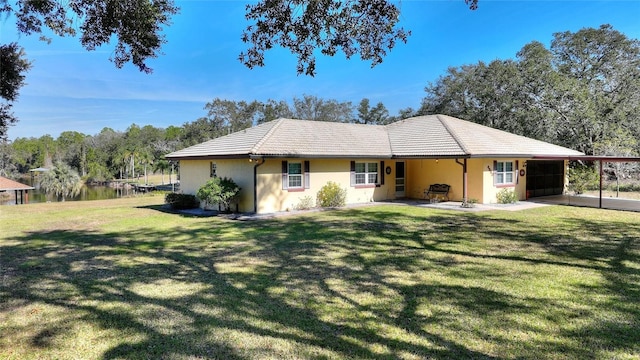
(119, 279)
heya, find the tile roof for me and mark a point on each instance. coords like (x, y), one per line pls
(422, 136)
(442, 135)
(324, 139)
(10, 185)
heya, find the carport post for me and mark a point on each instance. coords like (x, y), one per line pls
(600, 202)
(464, 179)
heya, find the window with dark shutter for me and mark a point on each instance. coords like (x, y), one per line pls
(285, 175)
(353, 173)
(307, 180)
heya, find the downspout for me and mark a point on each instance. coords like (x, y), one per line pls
(464, 179)
(255, 183)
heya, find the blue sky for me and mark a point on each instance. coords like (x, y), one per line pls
(70, 89)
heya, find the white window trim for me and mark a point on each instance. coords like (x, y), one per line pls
(290, 175)
(367, 174)
(504, 174)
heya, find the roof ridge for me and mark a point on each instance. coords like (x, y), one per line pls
(453, 134)
(386, 131)
(266, 136)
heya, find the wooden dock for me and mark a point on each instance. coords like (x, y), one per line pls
(143, 187)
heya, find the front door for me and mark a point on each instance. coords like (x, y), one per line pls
(400, 179)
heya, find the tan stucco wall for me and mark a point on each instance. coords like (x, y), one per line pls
(423, 172)
(490, 190)
(195, 173)
(420, 173)
(272, 198)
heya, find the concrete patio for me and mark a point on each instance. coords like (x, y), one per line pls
(589, 201)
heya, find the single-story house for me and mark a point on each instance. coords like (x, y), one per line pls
(278, 163)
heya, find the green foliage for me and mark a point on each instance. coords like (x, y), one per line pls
(181, 201)
(305, 203)
(62, 181)
(624, 187)
(582, 178)
(365, 28)
(378, 115)
(331, 195)
(507, 196)
(575, 93)
(135, 26)
(13, 67)
(223, 191)
(98, 173)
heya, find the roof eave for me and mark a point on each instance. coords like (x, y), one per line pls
(278, 156)
(443, 156)
(207, 157)
(527, 156)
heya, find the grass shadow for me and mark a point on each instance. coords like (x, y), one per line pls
(373, 283)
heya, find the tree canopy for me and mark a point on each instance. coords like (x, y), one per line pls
(581, 92)
(356, 27)
(13, 66)
(365, 27)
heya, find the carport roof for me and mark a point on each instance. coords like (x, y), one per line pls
(10, 185)
(431, 136)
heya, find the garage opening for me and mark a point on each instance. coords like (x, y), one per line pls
(545, 177)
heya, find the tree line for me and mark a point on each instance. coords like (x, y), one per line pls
(113, 154)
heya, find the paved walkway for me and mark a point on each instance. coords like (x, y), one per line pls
(448, 205)
(584, 201)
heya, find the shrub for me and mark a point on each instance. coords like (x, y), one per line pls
(624, 187)
(181, 201)
(506, 196)
(305, 203)
(222, 191)
(331, 195)
(582, 178)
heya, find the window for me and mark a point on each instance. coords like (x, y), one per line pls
(214, 170)
(365, 173)
(504, 173)
(295, 175)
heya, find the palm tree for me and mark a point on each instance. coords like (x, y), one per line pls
(147, 159)
(162, 165)
(62, 181)
(121, 159)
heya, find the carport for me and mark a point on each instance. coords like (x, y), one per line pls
(589, 201)
(10, 185)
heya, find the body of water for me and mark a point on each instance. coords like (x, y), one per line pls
(88, 192)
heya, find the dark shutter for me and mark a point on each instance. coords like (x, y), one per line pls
(353, 173)
(307, 182)
(381, 172)
(517, 175)
(285, 175)
(495, 168)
